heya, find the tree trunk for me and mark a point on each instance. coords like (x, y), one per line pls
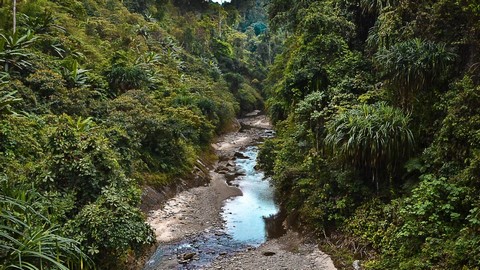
(14, 16)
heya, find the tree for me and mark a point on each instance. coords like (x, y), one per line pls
(14, 16)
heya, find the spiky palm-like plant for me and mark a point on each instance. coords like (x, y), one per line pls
(13, 51)
(29, 241)
(410, 66)
(374, 138)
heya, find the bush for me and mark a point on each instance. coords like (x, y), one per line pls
(428, 223)
(46, 82)
(28, 99)
(157, 132)
(111, 227)
(80, 160)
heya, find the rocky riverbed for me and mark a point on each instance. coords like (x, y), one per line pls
(191, 231)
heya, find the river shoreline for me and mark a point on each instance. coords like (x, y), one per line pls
(199, 210)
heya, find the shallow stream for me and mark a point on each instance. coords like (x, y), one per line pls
(244, 215)
(248, 222)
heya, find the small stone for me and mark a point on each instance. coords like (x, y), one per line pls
(240, 173)
(268, 253)
(189, 256)
(240, 155)
(357, 265)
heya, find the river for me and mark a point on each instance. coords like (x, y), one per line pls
(243, 216)
(232, 222)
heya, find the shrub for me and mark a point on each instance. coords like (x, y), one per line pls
(111, 227)
(46, 82)
(80, 161)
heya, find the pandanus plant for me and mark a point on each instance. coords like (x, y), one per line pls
(411, 66)
(374, 139)
(6, 101)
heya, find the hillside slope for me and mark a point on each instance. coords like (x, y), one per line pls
(98, 98)
(376, 106)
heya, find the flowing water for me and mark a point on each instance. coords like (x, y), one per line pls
(244, 215)
(249, 221)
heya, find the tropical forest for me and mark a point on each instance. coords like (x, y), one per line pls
(239, 134)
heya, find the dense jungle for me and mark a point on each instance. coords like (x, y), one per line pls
(375, 106)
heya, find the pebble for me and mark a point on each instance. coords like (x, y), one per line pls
(268, 253)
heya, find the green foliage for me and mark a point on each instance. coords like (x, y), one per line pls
(372, 221)
(20, 142)
(13, 53)
(412, 65)
(375, 138)
(42, 23)
(6, 100)
(377, 5)
(222, 49)
(426, 229)
(249, 98)
(73, 74)
(458, 139)
(4, 78)
(46, 82)
(123, 78)
(28, 238)
(96, 100)
(355, 81)
(313, 112)
(156, 134)
(80, 161)
(112, 226)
